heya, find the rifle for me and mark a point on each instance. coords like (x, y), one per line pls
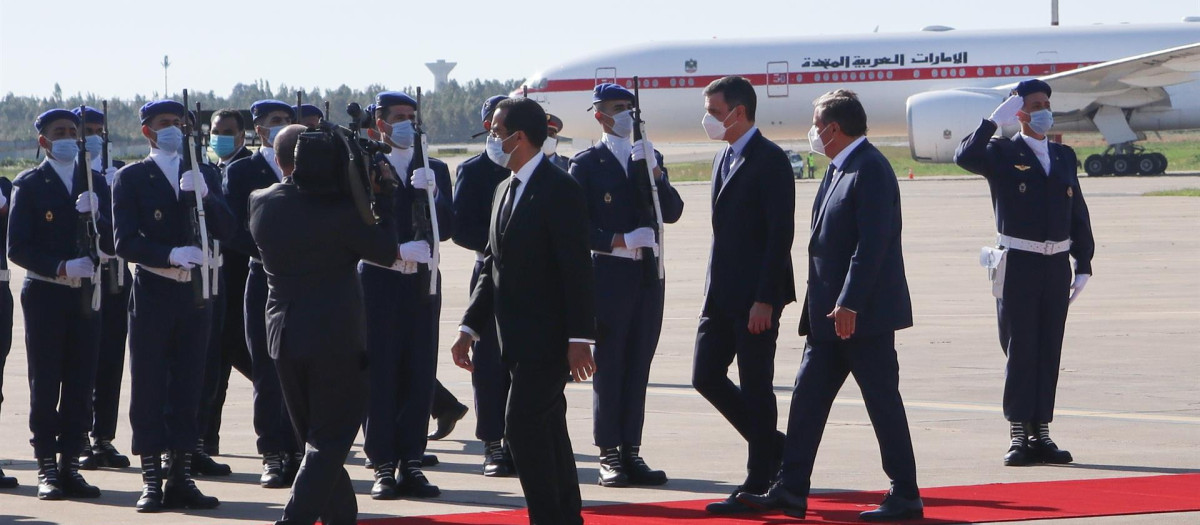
(215, 262)
(424, 211)
(87, 237)
(200, 275)
(650, 211)
(327, 114)
(116, 268)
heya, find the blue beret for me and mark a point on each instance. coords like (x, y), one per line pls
(53, 115)
(1031, 86)
(607, 91)
(90, 115)
(263, 107)
(309, 110)
(393, 98)
(489, 107)
(158, 107)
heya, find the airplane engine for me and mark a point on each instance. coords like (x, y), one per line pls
(938, 120)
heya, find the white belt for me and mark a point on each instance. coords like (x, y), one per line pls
(62, 281)
(4, 276)
(624, 253)
(479, 257)
(174, 274)
(1044, 248)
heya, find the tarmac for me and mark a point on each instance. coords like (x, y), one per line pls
(1128, 398)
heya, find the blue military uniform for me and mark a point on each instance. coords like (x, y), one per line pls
(168, 332)
(1032, 205)
(6, 308)
(62, 333)
(629, 296)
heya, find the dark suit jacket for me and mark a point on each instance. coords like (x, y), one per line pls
(854, 254)
(753, 221)
(1028, 204)
(474, 186)
(43, 224)
(241, 178)
(310, 246)
(537, 279)
(612, 198)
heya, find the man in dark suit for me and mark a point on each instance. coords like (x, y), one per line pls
(536, 284)
(311, 241)
(749, 279)
(1041, 219)
(6, 306)
(857, 298)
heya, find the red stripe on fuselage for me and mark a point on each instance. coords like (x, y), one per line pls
(821, 77)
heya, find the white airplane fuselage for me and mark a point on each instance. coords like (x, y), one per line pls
(884, 69)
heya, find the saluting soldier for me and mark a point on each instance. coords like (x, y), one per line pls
(474, 186)
(554, 126)
(168, 332)
(402, 316)
(276, 441)
(114, 323)
(6, 306)
(1042, 221)
(62, 330)
(629, 298)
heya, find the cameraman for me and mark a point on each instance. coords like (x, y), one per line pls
(311, 238)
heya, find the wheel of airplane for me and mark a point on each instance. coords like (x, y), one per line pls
(1096, 165)
(1146, 164)
(1161, 160)
(1123, 165)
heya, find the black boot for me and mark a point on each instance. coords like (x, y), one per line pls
(102, 455)
(204, 465)
(49, 487)
(72, 482)
(495, 461)
(385, 482)
(7, 482)
(87, 460)
(181, 492)
(636, 468)
(272, 476)
(415, 483)
(291, 466)
(1018, 454)
(151, 499)
(612, 472)
(1043, 448)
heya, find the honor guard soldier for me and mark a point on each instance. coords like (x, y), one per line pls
(168, 324)
(51, 208)
(6, 305)
(554, 126)
(114, 323)
(227, 138)
(309, 115)
(629, 298)
(402, 315)
(474, 186)
(1042, 222)
(276, 441)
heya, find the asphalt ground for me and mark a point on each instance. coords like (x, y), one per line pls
(1128, 397)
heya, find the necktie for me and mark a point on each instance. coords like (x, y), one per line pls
(825, 182)
(510, 199)
(723, 169)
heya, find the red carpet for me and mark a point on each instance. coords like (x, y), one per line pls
(964, 504)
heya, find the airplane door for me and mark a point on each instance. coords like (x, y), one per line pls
(606, 74)
(777, 79)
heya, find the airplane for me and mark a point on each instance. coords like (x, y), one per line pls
(933, 86)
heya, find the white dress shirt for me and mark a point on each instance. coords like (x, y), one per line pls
(65, 171)
(841, 157)
(269, 154)
(621, 148)
(169, 164)
(1041, 149)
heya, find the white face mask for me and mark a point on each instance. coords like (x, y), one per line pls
(814, 140)
(713, 127)
(402, 134)
(1041, 121)
(549, 146)
(495, 150)
(622, 125)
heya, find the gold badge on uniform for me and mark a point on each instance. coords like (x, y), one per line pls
(1070, 191)
(49, 216)
(607, 198)
(158, 214)
(1022, 167)
(1021, 188)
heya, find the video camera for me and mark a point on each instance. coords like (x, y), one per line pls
(334, 160)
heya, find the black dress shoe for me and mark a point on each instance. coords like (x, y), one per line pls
(495, 461)
(204, 465)
(7, 482)
(385, 482)
(638, 471)
(1045, 451)
(415, 483)
(1019, 455)
(729, 505)
(778, 498)
(272, 476)
(612, 472)
(446, 422)
(429, 460)
(895, 508)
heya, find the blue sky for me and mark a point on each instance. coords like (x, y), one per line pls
(114, 48)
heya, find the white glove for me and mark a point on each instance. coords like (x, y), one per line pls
(87, 202)
(3, 201)
(1077, 286)
(186, 257)
(409, 267)
(80, 268)
(1006, 113)
(640, 238)
(639, 153)
(110, 175)
(193, 181)
(422, 179)
(416, 251)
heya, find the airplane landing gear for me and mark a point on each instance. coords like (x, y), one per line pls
(1125, 159)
